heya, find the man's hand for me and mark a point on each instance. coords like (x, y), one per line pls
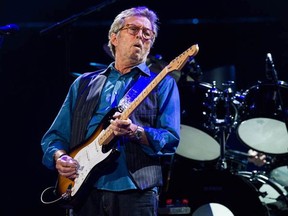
(257, 158)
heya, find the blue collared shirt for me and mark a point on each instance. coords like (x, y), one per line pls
(163, 137)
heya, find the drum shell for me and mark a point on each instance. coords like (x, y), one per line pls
(205, 107)
(218, 186)
(262, 100)
(194, 104)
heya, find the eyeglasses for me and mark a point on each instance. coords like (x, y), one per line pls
(134, 29)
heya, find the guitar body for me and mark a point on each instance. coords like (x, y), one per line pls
(93, 158)
(75, 192)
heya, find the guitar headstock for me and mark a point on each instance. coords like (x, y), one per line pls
(180, 61)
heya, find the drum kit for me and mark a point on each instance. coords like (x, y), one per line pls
(255, 115)
(203, 169)
(210, 177)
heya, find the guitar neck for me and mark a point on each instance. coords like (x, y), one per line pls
(175, 64)
(138, 100)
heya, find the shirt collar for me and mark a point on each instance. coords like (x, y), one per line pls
(142, 67)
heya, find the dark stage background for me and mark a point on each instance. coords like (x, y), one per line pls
(35, 69)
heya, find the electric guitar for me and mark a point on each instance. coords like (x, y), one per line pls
(92, 157)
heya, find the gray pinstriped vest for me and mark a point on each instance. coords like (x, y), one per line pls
(145, 170)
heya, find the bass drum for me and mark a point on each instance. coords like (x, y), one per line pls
(219, 193)
(262, 127)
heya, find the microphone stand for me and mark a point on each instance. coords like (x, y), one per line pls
(73, 19)
(276, 83)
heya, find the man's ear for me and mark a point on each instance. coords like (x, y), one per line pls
(113, 39)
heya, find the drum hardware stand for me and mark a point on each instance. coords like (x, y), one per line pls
(224, 127)
(212, 95)
(169, 173)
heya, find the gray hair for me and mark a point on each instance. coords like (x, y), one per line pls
(119, 21)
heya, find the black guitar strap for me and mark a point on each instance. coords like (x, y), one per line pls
(138, 87)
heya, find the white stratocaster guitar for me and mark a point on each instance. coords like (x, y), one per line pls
(92, 157)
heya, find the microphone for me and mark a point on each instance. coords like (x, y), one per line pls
(271, 72)
(9, 29)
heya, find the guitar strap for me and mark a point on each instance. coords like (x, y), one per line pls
(138, 87)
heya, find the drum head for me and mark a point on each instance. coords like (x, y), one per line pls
(197, 145)
(213, 209)
(280, 175)
(265, 135)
